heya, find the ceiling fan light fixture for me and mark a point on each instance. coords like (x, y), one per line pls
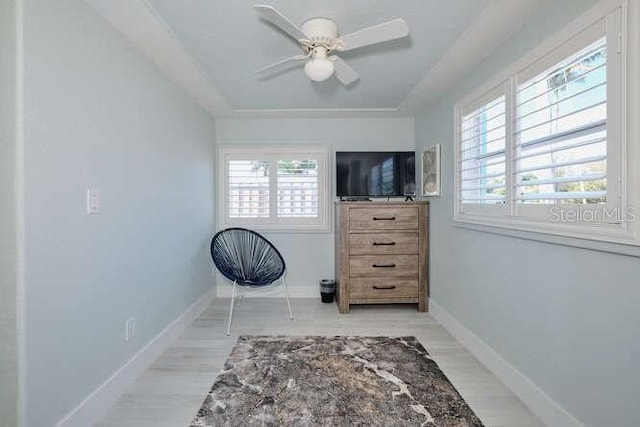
(319, 68)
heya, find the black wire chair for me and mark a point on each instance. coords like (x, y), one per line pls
(247, 259)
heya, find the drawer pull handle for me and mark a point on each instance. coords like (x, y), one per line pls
(384, 265)
(390, 218)
(384, 243)
(383, 287)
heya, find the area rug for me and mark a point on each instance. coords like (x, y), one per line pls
(332, 381)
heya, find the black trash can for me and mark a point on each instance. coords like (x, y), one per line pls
(327, 290)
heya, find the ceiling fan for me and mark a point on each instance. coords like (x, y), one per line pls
(319, 37)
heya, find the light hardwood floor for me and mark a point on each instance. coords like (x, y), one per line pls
(172, 390)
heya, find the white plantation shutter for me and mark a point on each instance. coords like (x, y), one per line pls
(248, 189)
(549, 139)
(274, 187)
(561, 137)
(298, 194)
(482, 151)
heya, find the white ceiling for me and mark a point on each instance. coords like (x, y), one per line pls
(212, 47)
(229, 41)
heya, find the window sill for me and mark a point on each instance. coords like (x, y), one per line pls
(621, 242)
(281, 229)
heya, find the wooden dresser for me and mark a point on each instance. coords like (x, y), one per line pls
(381, 253)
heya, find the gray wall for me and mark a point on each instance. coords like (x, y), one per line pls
(566, 318)
(8, 249)
(99, 115)
(305, 267)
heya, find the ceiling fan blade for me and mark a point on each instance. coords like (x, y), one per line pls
(278, 66)
(344, 72)
(390, 30)
(281, 21)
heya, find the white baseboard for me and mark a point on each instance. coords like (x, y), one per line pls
(94, 406)
(548, 410)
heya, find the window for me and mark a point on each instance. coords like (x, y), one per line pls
(483, 131)
(269, 187)
(543, 149)
(561, 136)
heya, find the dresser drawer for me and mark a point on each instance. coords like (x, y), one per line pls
(384, 266)
(384, 243)
(391, 218)
(377, 287)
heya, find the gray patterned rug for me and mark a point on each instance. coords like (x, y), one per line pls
(332, 381)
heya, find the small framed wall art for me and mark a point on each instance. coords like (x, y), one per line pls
(431, 171)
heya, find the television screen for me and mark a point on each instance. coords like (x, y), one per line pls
(375, 173)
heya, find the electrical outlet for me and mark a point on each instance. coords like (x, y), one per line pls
(130, 329)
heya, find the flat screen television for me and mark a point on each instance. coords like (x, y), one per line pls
(361, 174)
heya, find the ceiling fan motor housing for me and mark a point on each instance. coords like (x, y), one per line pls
(321, 31)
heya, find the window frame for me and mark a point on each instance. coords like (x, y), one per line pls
(624, 192)
(272, 153)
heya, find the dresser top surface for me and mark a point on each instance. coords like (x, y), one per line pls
(381, 204)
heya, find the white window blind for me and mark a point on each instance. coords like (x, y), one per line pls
(543, 147)
(298, 188)
(561, 137)
(482, 153)
(248, 189)
(274, 187)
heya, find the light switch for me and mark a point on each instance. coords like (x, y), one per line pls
(93, 201)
